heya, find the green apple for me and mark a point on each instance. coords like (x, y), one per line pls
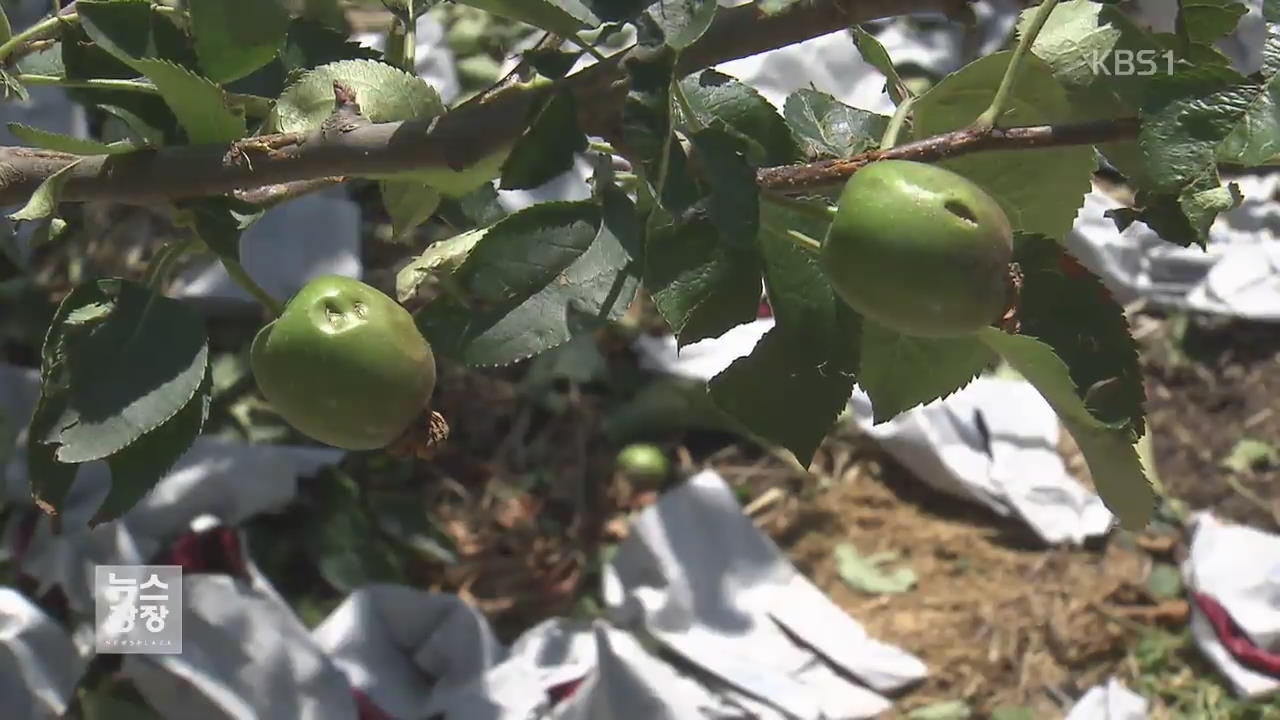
(919, 249)
(344, 364)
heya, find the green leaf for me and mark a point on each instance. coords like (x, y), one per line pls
(201, 107)
(1256, 138)
(1187, 120)
(6, 31)
(120, 27)
(899, 372)
(563, 17)
(1110, 454)
(43, 202)
(1208, 21)
(829, 128)
(718, 98)
(528, 283)
(311, 44)
(647, 123)
(1068, 308)
(219, 222)
(701, 286)
(1040, 190)
(349, 551)
(385, 94)
(734, 204)
(67, 143)
(875, 54)
(548, 148)
(1250, 454)
(435, 268)
(127, 373)
(409, 204)
(1083, 41)
(136, 469)
(867, 573)
(1186, 217)
(798, 379)
(140, 131)
(942, 710)
(683, 21)
(235, 37)
(1164, 582)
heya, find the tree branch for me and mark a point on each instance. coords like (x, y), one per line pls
(456, 139)
(797, 178)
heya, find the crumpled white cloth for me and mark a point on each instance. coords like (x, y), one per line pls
(705, 583)
(39, 664)
(1238, 273)
(726, 600)
(1239, 567)
(994, 442)
(1111, 701)
(245, 655)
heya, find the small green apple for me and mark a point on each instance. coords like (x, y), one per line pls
(344, 364)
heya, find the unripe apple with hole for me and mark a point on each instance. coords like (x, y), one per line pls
(344, 364)
(919, 249)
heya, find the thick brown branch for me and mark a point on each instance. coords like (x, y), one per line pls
(795, 178)
(456, 140)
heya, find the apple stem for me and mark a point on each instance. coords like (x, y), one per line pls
(896, 123)
(251, 286)
(991, 116)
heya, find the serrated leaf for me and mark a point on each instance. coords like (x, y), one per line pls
(409, 204)
(437, 265)
(548, 148)
(563, 17)
(647, 123)
(683, 21)
(201, 107)
(385, 94)
(1256, 137)
(1068, 308)
(67, 143)
(1208, 21)
(1082, 42)
(219, 222)
(1110, 454)
(311, 44)
(701, 286)
(719, 98)
(867, 573)
(573, 273)
(798, 379)
(875, 54)
(1184, 218)
(142, 132)
(829, 128)
(348, 550)
(120, 27)
(734, 203)
(899, 372)
(43, 202)
(136, 469)
(126, 375)
(1040, 190)
(235, 37)
(1198, 117)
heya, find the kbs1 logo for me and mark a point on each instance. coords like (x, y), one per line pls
(1129, 63)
